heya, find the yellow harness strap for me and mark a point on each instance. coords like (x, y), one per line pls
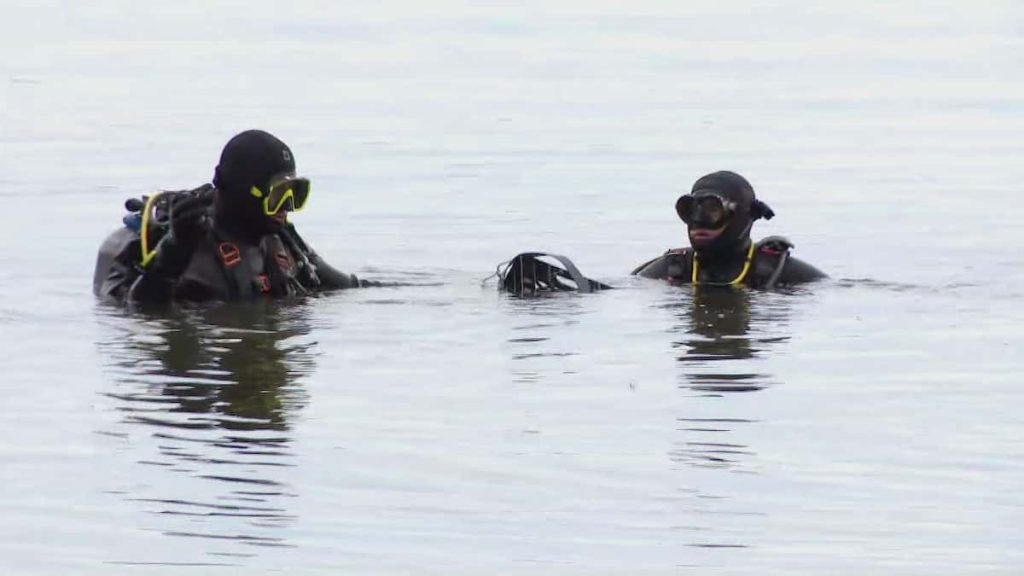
(737, 280)
(147, 254)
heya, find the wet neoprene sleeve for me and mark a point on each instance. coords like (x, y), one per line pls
(330, 277)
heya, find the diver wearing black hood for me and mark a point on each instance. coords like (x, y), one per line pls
(228, 241)
(719, 213)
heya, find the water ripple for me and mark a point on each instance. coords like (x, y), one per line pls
(213, 390)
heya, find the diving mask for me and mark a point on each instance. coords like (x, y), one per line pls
(283, 190)
(705, 209)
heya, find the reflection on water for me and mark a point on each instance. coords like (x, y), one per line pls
(719, 356)
(214, 389)
(717, 342)
(539, 318)
(717, 326)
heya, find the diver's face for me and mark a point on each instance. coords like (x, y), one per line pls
(707, 215)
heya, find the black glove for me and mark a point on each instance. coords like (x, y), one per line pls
(188, 218)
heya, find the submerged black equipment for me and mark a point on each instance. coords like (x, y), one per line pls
(533, 273)
(150, 217)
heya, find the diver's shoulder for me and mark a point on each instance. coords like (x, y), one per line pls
(670, 264)
(773, 245)
(797, 270)
(777, 249)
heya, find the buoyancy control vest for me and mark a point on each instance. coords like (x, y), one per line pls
(763, 268)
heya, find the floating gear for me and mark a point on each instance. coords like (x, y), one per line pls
(531, 273)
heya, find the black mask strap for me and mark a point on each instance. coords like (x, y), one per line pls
(759, 209)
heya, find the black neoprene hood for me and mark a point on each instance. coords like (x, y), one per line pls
(250, 159)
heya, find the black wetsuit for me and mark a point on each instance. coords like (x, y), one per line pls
(770, 266)
(220, 267)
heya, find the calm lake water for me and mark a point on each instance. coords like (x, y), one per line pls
(870, 424)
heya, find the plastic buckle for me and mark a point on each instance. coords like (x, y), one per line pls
(229, 254)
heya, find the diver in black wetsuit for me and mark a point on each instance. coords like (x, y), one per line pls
(228, 241)
(719, 213)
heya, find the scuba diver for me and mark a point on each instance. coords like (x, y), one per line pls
(719, 212)
(227, 241)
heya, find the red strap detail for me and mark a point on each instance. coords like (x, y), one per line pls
(283, 260)
(229, 254)
(264, 283)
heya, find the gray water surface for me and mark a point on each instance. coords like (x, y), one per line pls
(869, 424)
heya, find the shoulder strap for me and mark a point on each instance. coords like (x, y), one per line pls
(779, 247)
(301, 252)
(774, 244)
(229, 259)
(682, 257)
(583, 283)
